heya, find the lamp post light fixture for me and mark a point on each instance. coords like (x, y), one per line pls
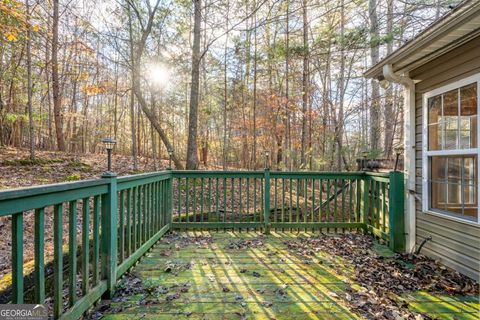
(398, 152)
(267, 160)
(109, 143)
(364, 162)
(170, 156)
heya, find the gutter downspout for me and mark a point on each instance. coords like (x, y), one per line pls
(409, 141)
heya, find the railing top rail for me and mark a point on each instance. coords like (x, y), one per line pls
(140, 176)
(216, 174)
(17, 193)
(317, 174)
(378, 174)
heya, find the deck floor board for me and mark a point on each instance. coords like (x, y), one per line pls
(213, 279)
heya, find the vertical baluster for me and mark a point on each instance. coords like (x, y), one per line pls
(85, 244)
(343, 202)
(72, 253)
(240, 200)
(275, 200)
(129, 223)
(290, 218)
(146, 212)
(179, 200)
(209, 199)
(217, 199)
(298, 210)
(305, 200)
(153, 227)
(96, 240)
(335, 204)
(262, 200)
(57, 261)
(39, 256)
(161, 205)
(17, 257)
(313, 202)
(141, 211)
(283, 200)
(350, 201)
(359, 200)
(201, 198)
(320, 201)
(194, 199)
(384, 206)
(187, 191)
(232, 181)
(122, 225)
(151, 215)
(224, 199)
(248, 200)
(327, 209)
(254, 199)
(134, 218)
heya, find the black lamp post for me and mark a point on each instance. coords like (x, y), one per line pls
(398, 152)
(170, 156)
(267, 160)
(109, 143)
(364, 162)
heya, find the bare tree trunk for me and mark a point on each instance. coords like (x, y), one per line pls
(389, 98)
(132, 94)
(57, 98)
(305, 89)
(288, 156)
(192, 156)
(225, 97)
(374, 55)
(254, 151)
(340, 119)
(31, 127)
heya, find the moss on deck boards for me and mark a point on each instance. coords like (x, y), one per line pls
(216, 280)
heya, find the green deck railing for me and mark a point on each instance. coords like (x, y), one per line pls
(119, 219)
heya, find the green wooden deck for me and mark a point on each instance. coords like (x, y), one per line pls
(212, 277)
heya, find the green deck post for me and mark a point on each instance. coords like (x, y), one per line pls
(109, 235)
(266, 205)
(364, 193)
(397, 212)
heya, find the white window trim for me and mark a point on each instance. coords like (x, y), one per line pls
(426, 153)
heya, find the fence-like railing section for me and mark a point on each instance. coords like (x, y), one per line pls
(218, 199)
(108, 224)
(329, 201)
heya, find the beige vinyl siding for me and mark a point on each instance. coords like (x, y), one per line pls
(455, 244)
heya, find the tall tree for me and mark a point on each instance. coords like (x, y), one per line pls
(375, 97)
(57, 98)
(31, 126)
(192, 156)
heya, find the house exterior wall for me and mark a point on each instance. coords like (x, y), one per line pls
(454, 243)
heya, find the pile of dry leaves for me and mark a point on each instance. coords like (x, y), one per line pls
(243, 244)
(383, 279)
(179, 240)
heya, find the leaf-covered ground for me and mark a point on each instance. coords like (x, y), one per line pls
(228, 275)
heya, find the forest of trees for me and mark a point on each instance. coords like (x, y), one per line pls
(219, 82)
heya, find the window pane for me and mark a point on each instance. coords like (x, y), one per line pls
(437, 195)
(435, 136)
(450, 104)
(468, 113)
(454, 170)
(451, 133)
(434, 109)
(438, 169)
(453, 185)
